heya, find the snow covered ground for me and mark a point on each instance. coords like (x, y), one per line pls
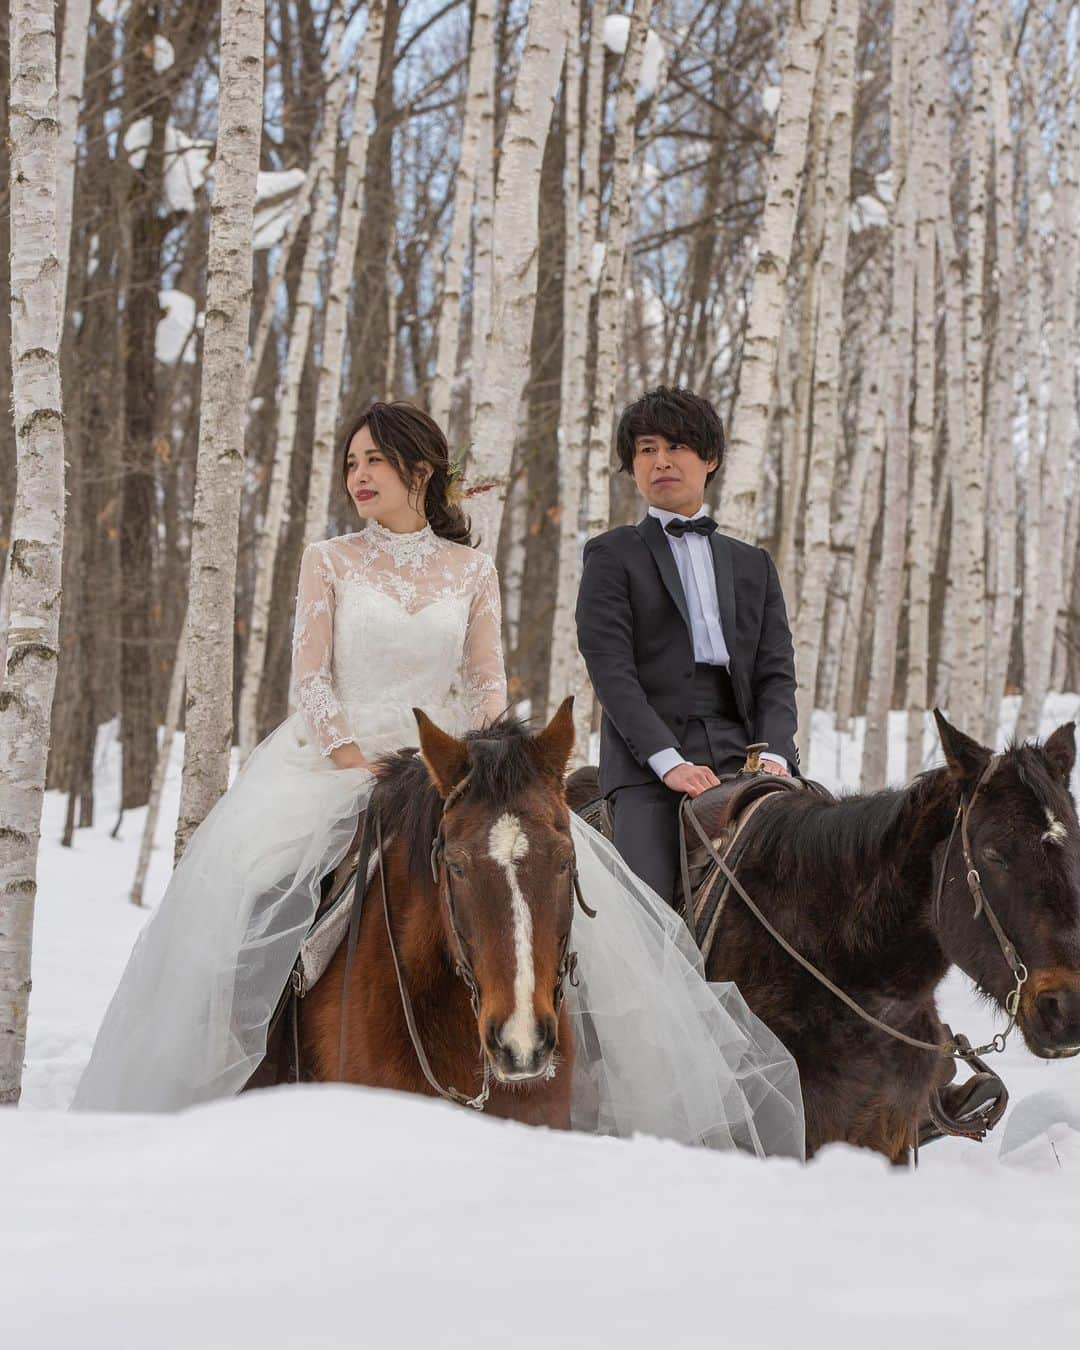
(338, 1216)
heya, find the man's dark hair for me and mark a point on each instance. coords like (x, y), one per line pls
(678, 416)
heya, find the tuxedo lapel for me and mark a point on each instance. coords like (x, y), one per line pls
(652, 532)
(725, 589)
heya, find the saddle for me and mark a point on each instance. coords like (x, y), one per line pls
(720, 815)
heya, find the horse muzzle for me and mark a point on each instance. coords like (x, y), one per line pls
(517, 1058)
(1051, 1022)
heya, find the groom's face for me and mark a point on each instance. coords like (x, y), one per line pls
(670, 475)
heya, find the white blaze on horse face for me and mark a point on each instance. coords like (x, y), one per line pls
(1057, 833)
(507, 845)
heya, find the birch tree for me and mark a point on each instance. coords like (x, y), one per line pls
(342, 272)
(566, 666)
(898, 383)
(38, 520)
(1060, 419)
(220, 463)
(268, 533)
(514, 252)
(928, 186)
(749, 424)
(72, 77)
(478, 98)
(1001, 403)
(828, 430)
(967, 562)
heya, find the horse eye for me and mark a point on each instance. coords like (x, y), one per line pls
(993, 856)
(455, 869)
(566, 864)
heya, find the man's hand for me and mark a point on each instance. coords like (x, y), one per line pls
(771, 766)
(691, 779)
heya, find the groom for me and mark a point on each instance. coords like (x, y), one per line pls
(685, 637)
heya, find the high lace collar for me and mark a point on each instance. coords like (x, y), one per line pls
(406, 549)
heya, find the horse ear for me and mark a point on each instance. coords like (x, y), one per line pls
(445, 757)
(966, 758)
(1060, 751)
(554, 744)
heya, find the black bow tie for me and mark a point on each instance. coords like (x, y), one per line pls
(699, 525)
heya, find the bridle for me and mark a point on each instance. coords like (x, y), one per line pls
(440, 871)
(954, 1048)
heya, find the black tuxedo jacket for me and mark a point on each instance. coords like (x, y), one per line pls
(633, 628)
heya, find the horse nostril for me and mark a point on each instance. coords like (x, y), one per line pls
(1059, 1010)
(491, 1037)
(546, 1035)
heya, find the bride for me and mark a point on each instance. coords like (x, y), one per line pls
(406, 614)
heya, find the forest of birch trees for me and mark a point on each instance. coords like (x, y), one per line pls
(852, 224)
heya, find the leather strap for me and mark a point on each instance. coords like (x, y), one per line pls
(359, 890)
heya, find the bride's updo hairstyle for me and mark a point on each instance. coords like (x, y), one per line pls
(411, 441)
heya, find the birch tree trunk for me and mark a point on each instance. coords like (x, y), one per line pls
(929, 185)
(610, 302)
(1002, 401)
(37, 526)
(515, 244)
(478, 100)
(609, 310)
(268, 533)
(890, 583)
(1060, 418)
(72, 77)
(342, 271)
(828, 431)
(742, 469)
(483, 243)
(967, 565)
(855, 639)
(161, 768)
(220, 462)
(565, 666)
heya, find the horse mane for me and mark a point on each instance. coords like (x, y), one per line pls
(803, 835)
(1033, 772)
(502, 766)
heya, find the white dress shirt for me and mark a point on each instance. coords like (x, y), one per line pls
(694, 561)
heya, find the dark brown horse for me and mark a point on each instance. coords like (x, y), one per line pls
(852, 885)
(484, 947)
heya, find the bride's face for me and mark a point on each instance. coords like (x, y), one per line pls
(375, 486)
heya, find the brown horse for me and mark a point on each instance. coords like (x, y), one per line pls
(484, 946)
(853, 886)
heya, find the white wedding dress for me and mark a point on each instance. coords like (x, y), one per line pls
(384, 623)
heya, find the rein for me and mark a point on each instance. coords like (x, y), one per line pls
(567, 969)
(958, 1047)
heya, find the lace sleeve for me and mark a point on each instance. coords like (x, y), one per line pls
(483, 671)
(313, 646)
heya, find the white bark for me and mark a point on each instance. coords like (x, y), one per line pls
(72, 77)
(1060, 419)
(37, 526)
(827, 435)
(566, 667)
(265, 321)
(268, 532)
(220, 463)
(927, 110)
(478, 104)
(967, 564)
(742, 469)
(890, 582)
(483, 243)
(855, 639)
(168, 735)
(342, 270)
(610, 303)
(515, 245)
(1002, 401)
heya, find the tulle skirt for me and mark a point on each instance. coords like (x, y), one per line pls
(659, 1050)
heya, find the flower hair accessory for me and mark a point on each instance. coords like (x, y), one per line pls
(454, 493)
